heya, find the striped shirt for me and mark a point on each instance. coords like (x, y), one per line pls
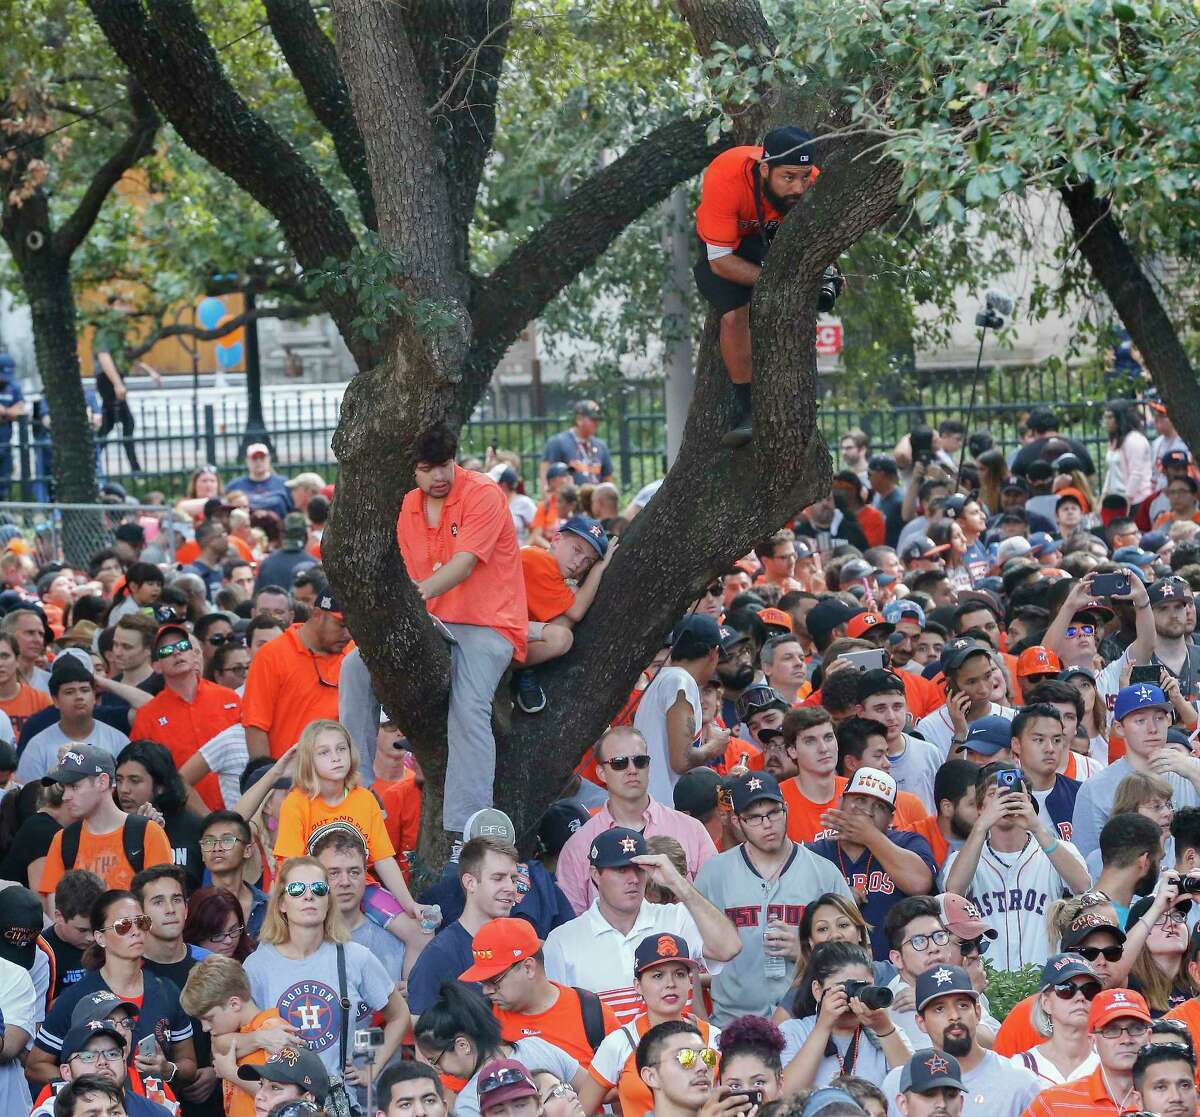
(1087, 1097)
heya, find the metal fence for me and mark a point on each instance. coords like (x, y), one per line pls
(173, 436)
(73, 533)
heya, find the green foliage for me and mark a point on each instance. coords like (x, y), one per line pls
(1006, 987)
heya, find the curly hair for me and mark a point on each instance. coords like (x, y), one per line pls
(753, 1035)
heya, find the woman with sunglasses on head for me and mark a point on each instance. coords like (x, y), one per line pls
(114, 962)
(1060, 1012)
(458, 1035)
(1159, 973)
(305, 958)
(215, 922)
(147, 774)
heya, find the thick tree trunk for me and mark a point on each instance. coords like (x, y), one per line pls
(1137, 304)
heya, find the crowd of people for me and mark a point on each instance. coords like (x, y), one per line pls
(939, 727)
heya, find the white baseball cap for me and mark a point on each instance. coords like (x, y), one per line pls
(871, 781)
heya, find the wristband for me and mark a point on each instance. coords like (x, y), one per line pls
(1051, 847)
(171, 1077)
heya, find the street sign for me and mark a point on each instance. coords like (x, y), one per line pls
(829, 339)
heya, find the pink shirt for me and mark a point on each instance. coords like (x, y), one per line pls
(574, 872)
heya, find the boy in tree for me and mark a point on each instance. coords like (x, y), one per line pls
(559, 586)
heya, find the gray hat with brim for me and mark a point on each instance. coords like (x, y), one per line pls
(81, 763)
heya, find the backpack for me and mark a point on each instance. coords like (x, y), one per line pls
(133, 842)
(593, 1017)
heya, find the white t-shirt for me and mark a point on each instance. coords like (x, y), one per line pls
(938, 729)
(651, 721)
(18, 1003)
(915, 769)
(41, 751)
(522, 510)
(1048, 1074)
(995, 1087)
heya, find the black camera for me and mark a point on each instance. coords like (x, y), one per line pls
(921, 439)
(832, 284)
(873, 996)
(1190, 882)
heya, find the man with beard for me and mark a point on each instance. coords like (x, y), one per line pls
(930, 1086)
(761, 709)
(954, 798)
(907, 619)
(948, 1012)
(737, 670)
(1119, 1024)
(1171, 602)
(762, 886)
(1131, 848)
(746, 194)
(1013, 866)
(1164, 1076)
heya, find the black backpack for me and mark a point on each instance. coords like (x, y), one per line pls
(133, 840)
(593, 1017)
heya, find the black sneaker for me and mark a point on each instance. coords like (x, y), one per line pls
(739, 432)
(530, 697)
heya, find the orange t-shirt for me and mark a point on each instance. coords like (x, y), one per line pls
(104, 855)
(873, 525)
(804, 816)
(190, 551)
(402, 814)
(475, 520)
(1085, 1097)
(239, 1102)
(561, 1024)
(26, 703)
(1189, 1013)
(287, 687)
(546, 516)
(1017, 1032)
(301, 817)
(546, 591)
(928, 828)
(728, 211)
(182, 727)
(635, 1097)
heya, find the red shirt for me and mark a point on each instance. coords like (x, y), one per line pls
(728, 209)
(475, 519)
(184, 726)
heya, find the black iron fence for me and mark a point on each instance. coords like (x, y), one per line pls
(172, 437)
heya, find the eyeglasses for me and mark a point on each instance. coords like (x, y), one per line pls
(299, 887)
(225, 841)
(108, 1054)
(1074, 630)
(495, 981)
(715, 590)
(232, 934)
(921, 942)
(686, 1057)
(1065, 990)
(562, 1090)
(1091, 953)
(236, 669)
(620, 763)
(1175, 915)
(217, 639)
(764, 819)
(1134, 1029)
(505, 1076)
(164, 651)
(125, 925)
(317, 672)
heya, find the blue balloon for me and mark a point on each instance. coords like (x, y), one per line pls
(210, 311)
(230, 356)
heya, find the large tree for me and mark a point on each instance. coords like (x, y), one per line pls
(409, 94)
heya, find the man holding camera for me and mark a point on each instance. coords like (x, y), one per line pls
(746, 194)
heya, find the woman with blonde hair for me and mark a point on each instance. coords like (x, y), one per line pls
(1060, 1013)
(1162, 977)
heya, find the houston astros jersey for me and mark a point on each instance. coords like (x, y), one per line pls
(730, 883)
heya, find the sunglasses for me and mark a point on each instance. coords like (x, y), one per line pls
(299, 887)
(715, 590)
(687, 1057)
(562, 1090)
(620, 763)
(1074, 630)
(220, 638)
(971, 947)
(1066, 990)
(165, 651)
(125, 925)
(1111, 953)
(506, 1076)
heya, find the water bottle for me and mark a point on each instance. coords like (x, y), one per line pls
(431, 918)
(774, 965)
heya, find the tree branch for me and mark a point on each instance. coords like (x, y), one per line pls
(169, 53)
(587, 222)
(1119, 272)
(313, 59)
(186, 329)
(135, 146)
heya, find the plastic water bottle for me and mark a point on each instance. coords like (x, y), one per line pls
(774, 965)
(431, 918)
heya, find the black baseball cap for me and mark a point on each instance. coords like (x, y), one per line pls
(695, 636)
(615, 848)
(957, 652)
(697, 792)
(589, 408)
(825, 616)
(20, 925)
(299, 1068)
(82, 1034)
(1083, 925)
(749, 789)
(929, 1070)
(560, 821)
(883, 463)
(81, 762)
(327, 602)
(790, 146)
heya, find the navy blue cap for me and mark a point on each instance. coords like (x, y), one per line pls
(696, 635)
(788, 147)
(661, 947)
(930, 1070)
(942, 981)
(1063, 967)
(588, 529)
(1166, 590)
(612, 849)
(1044, 543)
(1134, 555)
(988, 735)
(753, 786)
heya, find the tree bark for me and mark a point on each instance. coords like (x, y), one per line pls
(1132, 294)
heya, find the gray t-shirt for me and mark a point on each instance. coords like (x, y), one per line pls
(1093, 803)
(386, 947)
(915, 769)
(41, 753)
(995, 1087)
(535, 1054)
(305, 993)
(869, 1060)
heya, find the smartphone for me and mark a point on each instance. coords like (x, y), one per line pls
(147, 1047)
(1147, 673)
(1008, 779)
(753, 1097)
(1106, 585)
(443, 631)
(865, 660)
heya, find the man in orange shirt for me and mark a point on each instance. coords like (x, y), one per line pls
(189, 710)
(1119, 1024)
(509, 966)
(460, 548)
(808, 734)
(294, 680)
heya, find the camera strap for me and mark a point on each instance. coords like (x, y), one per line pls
(847, 1063)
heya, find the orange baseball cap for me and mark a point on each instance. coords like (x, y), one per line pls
(500, 945)
(864, 622)
(776, 617)
(1037, 661)
(1113, 1004)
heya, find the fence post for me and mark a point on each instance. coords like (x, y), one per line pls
(26, 458)
(623, 441)
(210, 434)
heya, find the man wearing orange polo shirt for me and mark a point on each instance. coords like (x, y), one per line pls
(188, 710)
(460, 547)
(294, 680)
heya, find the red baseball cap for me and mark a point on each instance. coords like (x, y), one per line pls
(1113, 1004)
(499, 945)
(503, 1080)
(865, 622)
(1037, 661)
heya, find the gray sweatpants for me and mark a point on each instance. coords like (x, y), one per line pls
(476, 663)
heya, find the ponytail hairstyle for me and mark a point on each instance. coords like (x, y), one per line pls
(93, 954)
(825, 960)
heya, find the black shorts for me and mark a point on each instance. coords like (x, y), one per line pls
(724, 294)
